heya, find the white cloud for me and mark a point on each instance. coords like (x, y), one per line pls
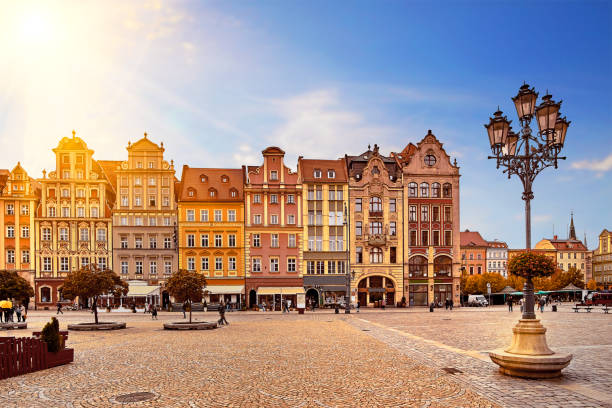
(594, 165)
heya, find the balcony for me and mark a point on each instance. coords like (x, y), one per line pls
(377, 240)
(376, 214)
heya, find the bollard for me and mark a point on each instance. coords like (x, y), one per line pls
(554, 308)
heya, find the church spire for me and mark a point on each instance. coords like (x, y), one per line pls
(585, 241)
(572, 231)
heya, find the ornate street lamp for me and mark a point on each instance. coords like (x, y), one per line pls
(525, 155)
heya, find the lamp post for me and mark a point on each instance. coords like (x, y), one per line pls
(525, 155)
(347, 301)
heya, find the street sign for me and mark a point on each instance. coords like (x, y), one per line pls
(488, 284)
(489, 290)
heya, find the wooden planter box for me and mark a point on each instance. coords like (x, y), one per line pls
(62, 357)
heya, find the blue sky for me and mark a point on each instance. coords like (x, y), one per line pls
(219, 81)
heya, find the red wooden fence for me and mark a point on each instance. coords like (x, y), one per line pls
(21, 355)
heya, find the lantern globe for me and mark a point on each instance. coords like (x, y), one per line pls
(511, 143)
(561, 126)
(547, 114)
(497, 130)
(524, 102)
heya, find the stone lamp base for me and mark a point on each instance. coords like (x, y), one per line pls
(529, 356)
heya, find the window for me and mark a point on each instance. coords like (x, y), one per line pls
(273, 264)
(231, 215)
(152, 242)
(190, 215)
(138, 242)
(358, 204)
(46, 234)
(435, 190)
(124, 220)
(292, 241)
(310, 267)
(413, 238)
(83, 234)
(317, 173)
(424, 190)
(139, 165)
(290, 199)
(435, 216)
(412, 213)
(273, 175)
(412, 189)
(25, 210)
(218, 263)
(190, 240)
(66, 174)
(319, 243)
(291, 219)
(358, 228)
(256, 198)
(231, 240)
(274, 241)
(375, 205)
(152, 181)
(424, 213)
(256, 262)
(153, 268)
(80, 193)
(151, 164)
(167, 267)
(167, 221)
(10, 256)
(124, 242)
(273, 198)
(47, 264)
(274, 219)
(102, 263)
(257, 219)
(101, 234)
(480, 270)
(320, 267)
(319, 193)
(218, 240)
(218, 216)
(212, 192)
(425, 238)
(64, 264)
(10, 209)
(65, 212)
(393, 228)
(152, 221)
(138, 221)
(291, 265)
(375, 228)
(341, 267)
(233, 193)
(203, 215)
(204, 263)
(94, 212)
(447, 190)
(167, 243)
(25, 256)
(51, 211)
(447, 214)
(359, 255)
(436, 238)
(256, 240)
(10, 231)
(331, 174)
(124, 267)
(376, 255)
(392, 205)
(191, 263)
(231, 263)
(417, 267)
(332, 194)
(152, 201)
(190, 192)
(137, 181)
(331, 267)
(165, 201)
(137, 200)
(392, 254)
(430, 160)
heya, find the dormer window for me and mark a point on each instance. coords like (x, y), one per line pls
(233, 193)
(212, 193)
(203, 178)
(190, 192)
(224, 179)
(331, 174)
(274, 175)
(317, 173)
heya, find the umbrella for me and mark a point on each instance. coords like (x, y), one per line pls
(6, 304)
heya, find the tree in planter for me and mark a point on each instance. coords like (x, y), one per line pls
(529, 265)
(13, 286)
(92, 282)
(186, 286)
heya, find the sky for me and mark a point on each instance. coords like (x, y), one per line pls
(219, 81)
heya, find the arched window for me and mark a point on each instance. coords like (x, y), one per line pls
(412, 189)
(233, 193)
(191, 192)
(447, 190)
(45, 295)
(424, 190)
(417, 267)
(443, 266)
(435, 190)
(376, 255)
(203, 178)
(212, 192)
(375, 204)
(224, 179)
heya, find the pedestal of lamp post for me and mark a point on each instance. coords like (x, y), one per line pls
(529, 356)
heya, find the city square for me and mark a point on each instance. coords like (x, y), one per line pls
(320, 359)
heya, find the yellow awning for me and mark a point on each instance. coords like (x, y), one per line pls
(142, 290)
(282, 290)
(225, 289)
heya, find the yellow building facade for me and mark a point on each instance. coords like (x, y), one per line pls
(602, 260)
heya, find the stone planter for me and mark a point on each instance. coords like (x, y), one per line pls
(13, 325)
(62, 357)
(190, 326)
(95, 327)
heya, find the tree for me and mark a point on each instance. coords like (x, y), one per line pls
(186, 286)
(592, 285)
(472, 285)
(495, 279)
(92, 282)
(13, 286)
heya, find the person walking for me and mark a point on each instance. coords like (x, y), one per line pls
(450, 304)
(185, 310)
(521, 302)
(382, 303)
(59, 308)
(542, 304)
(222, 320)
(357, 306)
(18, 310)
(509, 303)
(154, 313)
(446, 304)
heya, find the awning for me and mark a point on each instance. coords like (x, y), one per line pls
(333, 288)
(225, 289)
(142, 291)
(283, 290)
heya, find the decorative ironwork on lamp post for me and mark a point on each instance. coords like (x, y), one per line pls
(526, 154)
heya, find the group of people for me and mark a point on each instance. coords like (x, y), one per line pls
(539, 303)
(7, 313)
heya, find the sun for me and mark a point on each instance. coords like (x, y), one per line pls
(35, 25)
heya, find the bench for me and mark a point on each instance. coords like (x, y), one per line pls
(577, 308)
(605, 309)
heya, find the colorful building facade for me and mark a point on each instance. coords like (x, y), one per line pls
(473, 252)
(497, 258)
(73, 220)
(324, 219)
(211, 230)
(19, 195)
(602, 260)
(274, 230)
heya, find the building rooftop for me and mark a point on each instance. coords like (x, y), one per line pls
(203, 181)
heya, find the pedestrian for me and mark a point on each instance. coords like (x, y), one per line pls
(288, 305)
(18, 311)
(542, 303)
(24, 313)
(358, 306)
(222, 320)
(185, 310)
(446, 304)
(510, 303)
(59, 308)
(450, 303)
(382, 304)
(521, 302)
(154, 313)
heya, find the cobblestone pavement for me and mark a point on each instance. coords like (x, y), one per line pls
(260, 360)
(461, 339)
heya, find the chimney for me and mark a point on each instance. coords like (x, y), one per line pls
(555, 237)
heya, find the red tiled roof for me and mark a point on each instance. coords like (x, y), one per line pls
(192, 179)
(308, 166)
(497, 244)
(568, 245)
(472, 238)
(109, 167)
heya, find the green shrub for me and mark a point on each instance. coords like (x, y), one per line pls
(50, 335)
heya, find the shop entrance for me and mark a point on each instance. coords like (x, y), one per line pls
(373, 289)
(312, 295)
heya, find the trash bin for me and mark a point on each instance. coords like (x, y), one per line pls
(554, 308)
